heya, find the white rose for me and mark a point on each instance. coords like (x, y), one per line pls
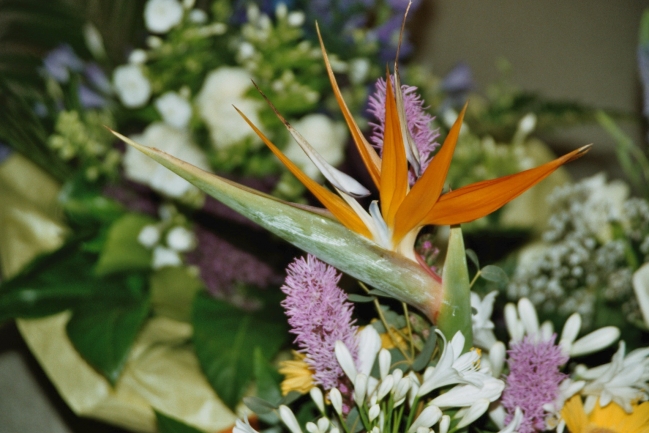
(133, 88)
(161, 15)
(174, 109)
(141, 168)
(324, 135)
(223, 88)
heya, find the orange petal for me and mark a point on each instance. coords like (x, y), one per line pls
(394, 166)
(481, 198)
(368, 154)
(331, 201)
(426, 190)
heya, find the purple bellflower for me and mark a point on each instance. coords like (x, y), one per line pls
(319, 315)
(533, 380)
(419, 122)
(60, 61)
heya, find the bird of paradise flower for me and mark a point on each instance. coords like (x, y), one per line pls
(376, 247)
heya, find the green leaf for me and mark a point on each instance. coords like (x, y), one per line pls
(315, 231)
(84, 203)
(455, 312)
(494, 274)
(353, 422)
(268, 382)
(259, 405)
(423, 359)
(50, 284)
(173, 289)
(643, 38)
(225, 339)
(122, 252)
(473, 257)
(353, 297)
(103, 328)
(166, 424)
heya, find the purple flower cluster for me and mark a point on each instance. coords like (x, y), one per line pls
(533, 380)
(319, 315)
(419, 122)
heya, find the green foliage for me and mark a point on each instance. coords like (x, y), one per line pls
(226, 338)
(85, 205)
(104, 328)
(173, 289)
(107, 312)
(122, 252)
(167, 424)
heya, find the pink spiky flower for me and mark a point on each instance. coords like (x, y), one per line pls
(419, 122)
(319, 315)
(533, 380)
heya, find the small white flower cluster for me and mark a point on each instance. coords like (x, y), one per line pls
(385, 401)
(168, 239)
(585, 250)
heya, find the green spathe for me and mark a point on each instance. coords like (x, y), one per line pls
(317, 232)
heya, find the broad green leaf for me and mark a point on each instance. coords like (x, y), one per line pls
(103, 328)
(317, 232)
(423, 358)
(455, 311)
(495, 274)
(167, 424)
(48, 285)
(267, 381)
(122, 251)
(173, 289)
(225, 339)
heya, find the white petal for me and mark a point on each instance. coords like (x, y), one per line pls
(318, 399)
(427, 418)
(514, 326)
(397, 375)
(458, 343)
(243, 427)
(323, 423)
(340, 180)
(345, 360)
(369, 344)
(288, 418)
(384, 362)
(595, 341)
(641, 289)
(527, 314)
(570, 332)
(336, 400)
(497, 414)
(312, 428)
(360, 389)
(403, 386)
(385, 387)
(497, 358)
(546, 331)
(476, 410)
(374, 412)
(514, 423)
(444, 424)
(467, 395)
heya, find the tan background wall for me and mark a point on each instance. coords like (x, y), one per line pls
(583, 50)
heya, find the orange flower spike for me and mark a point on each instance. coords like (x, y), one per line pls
(481, 198)
(331, 201)
(426, 191)
(368, 154)
(394, 166)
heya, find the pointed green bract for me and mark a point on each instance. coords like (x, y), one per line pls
(455, 309)
(314, 232)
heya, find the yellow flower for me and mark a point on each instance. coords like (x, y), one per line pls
(609, 419)
(298, 375)
(403, 211)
